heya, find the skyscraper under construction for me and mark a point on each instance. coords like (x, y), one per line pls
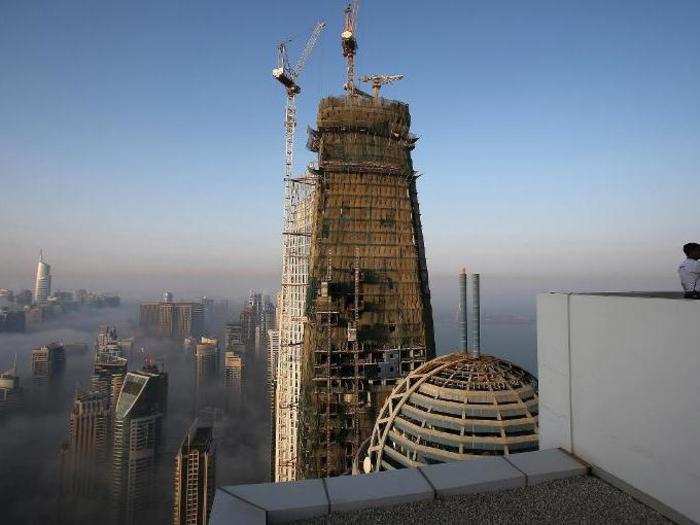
(355, 303)
(370, 318)
(369, 313)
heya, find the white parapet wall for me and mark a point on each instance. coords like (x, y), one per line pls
(619, 387)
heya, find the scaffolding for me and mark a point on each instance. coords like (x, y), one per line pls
(369, 313)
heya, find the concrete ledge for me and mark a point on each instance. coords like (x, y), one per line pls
(347, 493)
(546, 465)
(473, 475)
(230, 509)
(297, 500)
(285, 502)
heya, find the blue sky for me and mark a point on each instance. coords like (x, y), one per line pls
(142, 139)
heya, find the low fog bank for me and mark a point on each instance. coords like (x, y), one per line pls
(73, 327)
(30, 438)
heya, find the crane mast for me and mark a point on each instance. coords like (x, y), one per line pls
(288, 78)
(295, 249)
(349, 43)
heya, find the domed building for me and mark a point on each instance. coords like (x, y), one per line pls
(456, 407)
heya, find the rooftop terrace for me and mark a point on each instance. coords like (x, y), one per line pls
(618, 390)
(541, 486)
(582, 499)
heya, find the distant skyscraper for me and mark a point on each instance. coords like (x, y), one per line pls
(208, 305)
(256, 319)
(233, 337)
(10, 389)
(89, 445)
(138, 443)
(267, 321)
(195, 477)
(167, 297)
(169, 319)
(206, 359)
(105, 335)
(248, 324)
(47, 362)
(206, 354)
(42, 287)
(233, 381)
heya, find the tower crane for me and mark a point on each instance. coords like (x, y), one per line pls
(295, 248)
(288, 78)
(349, 43)
(378, 81)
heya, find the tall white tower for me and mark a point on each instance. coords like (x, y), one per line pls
(42, 287)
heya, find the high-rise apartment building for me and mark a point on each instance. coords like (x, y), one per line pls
(267, 320)
(233, 337)
(10, 389)
(206, 369)
(108, 376)
(42, 285)
(233, 381)
(208, 306)
(273, 338)
(248, 324)
(48, 361)
(168, 319)
(256, 318)
(195, 476)
(138, 444)
(86, 466)
(206, 356)
(291, 306)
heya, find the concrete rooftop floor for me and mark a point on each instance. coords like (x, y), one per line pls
(582, 499)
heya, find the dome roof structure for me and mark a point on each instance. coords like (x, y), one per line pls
(455, 407)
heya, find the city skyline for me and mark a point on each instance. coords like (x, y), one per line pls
(570, 131)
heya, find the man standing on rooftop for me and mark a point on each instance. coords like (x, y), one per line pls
(689, 271)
